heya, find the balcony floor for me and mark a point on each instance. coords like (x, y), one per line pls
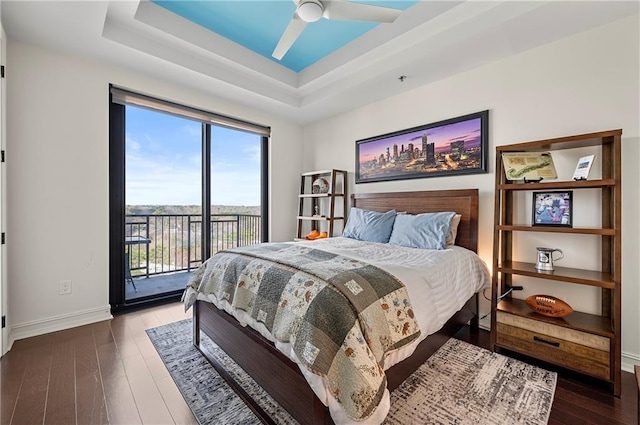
(157, 284)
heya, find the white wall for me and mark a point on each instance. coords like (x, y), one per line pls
(584, 83)
(58, 181)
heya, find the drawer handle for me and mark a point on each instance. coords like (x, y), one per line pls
(555, 344)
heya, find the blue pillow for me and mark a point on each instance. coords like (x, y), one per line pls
(370, 226)
(427, 231)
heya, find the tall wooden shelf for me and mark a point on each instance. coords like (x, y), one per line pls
(587, 343)
(309, 201)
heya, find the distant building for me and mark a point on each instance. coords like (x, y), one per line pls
(410, 150)
(429, 153)
(424, 145)
(457, 149)
(395, 151)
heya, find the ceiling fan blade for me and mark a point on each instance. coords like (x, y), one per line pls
(290, 35)
(349, 11)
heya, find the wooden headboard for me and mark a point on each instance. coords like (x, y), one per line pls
(464, 201)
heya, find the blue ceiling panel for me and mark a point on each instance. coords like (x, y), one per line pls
(259, 24)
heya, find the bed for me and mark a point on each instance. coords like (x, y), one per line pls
(260, 358)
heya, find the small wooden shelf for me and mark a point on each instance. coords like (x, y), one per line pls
(319, 195)
(318, 173)
(560, 143)
(552, 185)
(562, 274)
(305, 217)
(323, 203)
(577, 320)
(553, 229)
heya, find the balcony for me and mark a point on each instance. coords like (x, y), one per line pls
(163, 249)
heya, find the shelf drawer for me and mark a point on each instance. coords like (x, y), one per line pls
(577, 350)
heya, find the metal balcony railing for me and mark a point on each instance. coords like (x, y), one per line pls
(175, 240)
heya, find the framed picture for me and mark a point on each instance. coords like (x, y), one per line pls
(528, 166)
(583, 167)
(553, 208)
(445, 148)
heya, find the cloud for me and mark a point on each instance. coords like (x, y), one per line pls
(236, 188)
(164, 171)
(133, 145)
(192, 129)
(253, 152)
(153, 181)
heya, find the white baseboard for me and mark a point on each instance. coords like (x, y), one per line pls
(58, 323)
(629, 360)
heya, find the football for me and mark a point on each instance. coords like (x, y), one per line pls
(548, 305)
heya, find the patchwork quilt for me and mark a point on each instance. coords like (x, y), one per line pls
(341, 315)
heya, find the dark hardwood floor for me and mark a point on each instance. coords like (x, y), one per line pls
(105, 373)
(110, 373)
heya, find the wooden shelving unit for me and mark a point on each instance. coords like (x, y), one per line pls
(587, 343)
(309, 201)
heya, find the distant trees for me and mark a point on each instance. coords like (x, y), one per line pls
(175, 233)
(190, 209)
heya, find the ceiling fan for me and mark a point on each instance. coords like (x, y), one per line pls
(312, 10)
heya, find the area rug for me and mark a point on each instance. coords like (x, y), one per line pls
(460, 384)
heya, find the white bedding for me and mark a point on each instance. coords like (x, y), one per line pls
(453, 276)
(439, 283)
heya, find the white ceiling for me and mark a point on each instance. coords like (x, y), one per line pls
(435, 40)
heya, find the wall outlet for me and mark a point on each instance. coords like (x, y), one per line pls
(64, 287)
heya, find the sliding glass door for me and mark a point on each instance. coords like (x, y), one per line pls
(181, 190)
(163, 202)
(234, 188)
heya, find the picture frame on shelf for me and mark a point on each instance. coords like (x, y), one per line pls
(445, 148)
(583, 167)
(552, 208)
(529, 166)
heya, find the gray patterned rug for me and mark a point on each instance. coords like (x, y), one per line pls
(460, 384)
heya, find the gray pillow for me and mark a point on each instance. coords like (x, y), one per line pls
(370, 226)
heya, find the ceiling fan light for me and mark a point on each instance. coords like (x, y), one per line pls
(310, 11)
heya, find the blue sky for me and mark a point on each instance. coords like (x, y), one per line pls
(244, 23)
(163, 162)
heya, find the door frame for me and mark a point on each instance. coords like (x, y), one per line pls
(4, 331)
(117, 182)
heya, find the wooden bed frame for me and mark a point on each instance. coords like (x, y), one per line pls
(282, 378)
